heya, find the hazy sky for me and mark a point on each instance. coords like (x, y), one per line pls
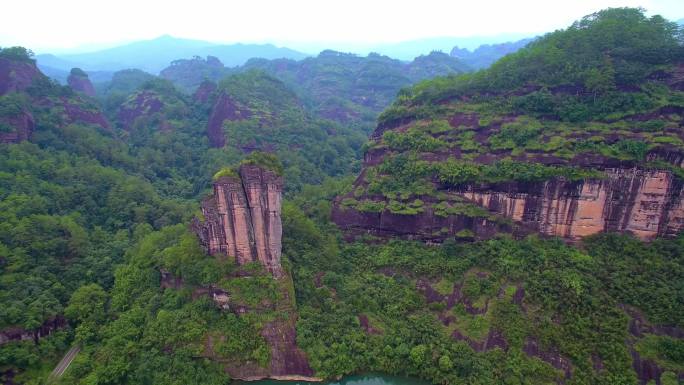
(54, 24)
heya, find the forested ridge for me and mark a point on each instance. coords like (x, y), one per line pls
(95, 221)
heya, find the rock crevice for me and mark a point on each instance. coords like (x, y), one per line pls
(242, 218)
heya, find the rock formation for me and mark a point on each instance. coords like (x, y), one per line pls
(242, 218)
(78, 81)
(644, 203)
(204, 91)
(225, 108)
(22, 125)
(142, 103)
(12, 334)
(17, 76)
(19, 121)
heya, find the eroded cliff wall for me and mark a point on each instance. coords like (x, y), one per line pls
(645, 203)
(242, 218)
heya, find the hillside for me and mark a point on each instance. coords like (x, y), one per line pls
(83, 183)
(532, 138)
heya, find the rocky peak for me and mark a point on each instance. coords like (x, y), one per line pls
(17, 75)
(78, 81)
(242, 217)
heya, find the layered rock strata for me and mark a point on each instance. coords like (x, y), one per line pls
(645, 203)
(242, 218)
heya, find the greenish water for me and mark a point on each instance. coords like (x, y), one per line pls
(359, 379)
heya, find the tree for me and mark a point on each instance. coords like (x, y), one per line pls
(87, 303)
(445, 363)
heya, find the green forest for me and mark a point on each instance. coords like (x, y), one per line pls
(94, 219)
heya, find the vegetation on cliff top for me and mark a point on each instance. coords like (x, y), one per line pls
(607, 91)
(17, 53)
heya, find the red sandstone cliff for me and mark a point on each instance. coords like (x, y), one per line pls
(22, 125)
(204, 91)
(79, 82)
(242, 218)
(644, 203)
(225, 108)
(17, 76)
(143, 103)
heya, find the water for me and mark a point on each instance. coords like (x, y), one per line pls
(359, 379)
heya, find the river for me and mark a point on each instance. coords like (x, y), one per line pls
(359, 379)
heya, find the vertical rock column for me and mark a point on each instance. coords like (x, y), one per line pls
(242, 218)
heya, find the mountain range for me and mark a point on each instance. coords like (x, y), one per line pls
(154, 55)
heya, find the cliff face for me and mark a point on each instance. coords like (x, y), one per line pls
(143, 103)
(16, 76)
(242, 218)
(81, 83)
(204, 91)
(225, 108)
(22, 125)
(644, 203)
(13, 334)
(22, 116)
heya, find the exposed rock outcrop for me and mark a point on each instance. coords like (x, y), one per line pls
(204, 91)
(18, 122)
(17, 76)
(288, 361)
(242, 218)
(533, 348)
(224, 109)
(13, 334)
(143, 103)
(645, 203)
(78, 81)
(22, 125)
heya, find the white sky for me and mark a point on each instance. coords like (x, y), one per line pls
(57, 24)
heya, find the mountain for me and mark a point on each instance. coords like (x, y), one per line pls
(519, 224)
(486, 54)
(515, 139)
(347, 88)
(408, 50)
(188, 74)
(75, 185)
(153, 55)
(578, 136)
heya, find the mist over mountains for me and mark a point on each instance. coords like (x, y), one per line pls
(156, 54)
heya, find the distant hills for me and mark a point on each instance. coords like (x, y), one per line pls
(408, 50)
(486, 54)
(154, 55)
